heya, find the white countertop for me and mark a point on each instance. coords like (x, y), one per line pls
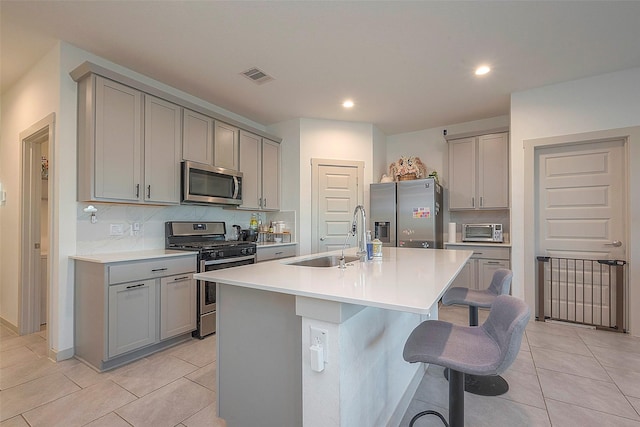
(410, 280)
(132, 256)
(497, 245)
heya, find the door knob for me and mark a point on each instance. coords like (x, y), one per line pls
(615, 243)
(322, 239)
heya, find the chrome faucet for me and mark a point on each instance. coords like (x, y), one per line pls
(362, 244)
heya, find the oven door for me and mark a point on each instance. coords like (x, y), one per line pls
(207, 291)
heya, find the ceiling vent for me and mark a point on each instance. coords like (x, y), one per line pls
(257, 76)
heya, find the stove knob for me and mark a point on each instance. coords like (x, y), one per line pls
(220, 254)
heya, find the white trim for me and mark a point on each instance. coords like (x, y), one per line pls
(28, 297)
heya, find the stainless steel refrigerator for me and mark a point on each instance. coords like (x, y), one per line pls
(407, 213)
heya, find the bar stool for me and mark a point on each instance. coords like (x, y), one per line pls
(500, 285)
(486, 350)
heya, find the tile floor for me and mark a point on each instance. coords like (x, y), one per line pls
(176, 387)
(564, 376)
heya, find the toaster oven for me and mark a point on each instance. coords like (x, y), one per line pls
(482, 233)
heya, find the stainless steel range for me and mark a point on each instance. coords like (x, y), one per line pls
(214, 253)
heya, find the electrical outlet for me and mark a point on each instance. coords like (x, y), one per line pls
(319, 336)
(116, 230)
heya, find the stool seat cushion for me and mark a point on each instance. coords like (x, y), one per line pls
(462, 348)
(478, 350)
(500, 285)
(468, 296)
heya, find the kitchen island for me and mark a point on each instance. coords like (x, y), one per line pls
(268, 312)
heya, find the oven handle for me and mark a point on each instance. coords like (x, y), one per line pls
(226, 260)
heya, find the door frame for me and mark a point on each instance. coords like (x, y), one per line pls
(315, 203)
(29, 296)
(529, 239)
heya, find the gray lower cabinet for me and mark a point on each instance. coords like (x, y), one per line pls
(132, 316)
(269, 253)
(129, 309)
(478, 271)
(177, 305)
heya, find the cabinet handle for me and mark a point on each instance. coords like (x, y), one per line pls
(278, 253)
(473, 202)
(481, 201)
(159, 269)
(265, 202)
(148, 191)
(135, 286)
(181, 278)
(477, 253)
(260, 202)
(137, 190)
(493, 262)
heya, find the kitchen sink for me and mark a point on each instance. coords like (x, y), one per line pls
(325, 261)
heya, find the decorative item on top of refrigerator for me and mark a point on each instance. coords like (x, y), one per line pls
(408, 213)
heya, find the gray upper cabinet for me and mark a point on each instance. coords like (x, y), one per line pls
(129, 144)
(260, 167)
(270, 175)
(226, 146)
(208, 141)
(479, 172)
(110, 141)
(197, 137)
(251, 168)
(162, 151)
(132, 138)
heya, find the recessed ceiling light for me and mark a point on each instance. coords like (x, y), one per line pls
(482, 70)
(348, 104)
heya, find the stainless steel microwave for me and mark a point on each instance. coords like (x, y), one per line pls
(482, 233)
(210, 185)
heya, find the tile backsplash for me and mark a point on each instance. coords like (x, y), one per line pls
(97, 238)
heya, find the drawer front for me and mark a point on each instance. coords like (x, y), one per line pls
(148, 269)
(266, 254)
(483, 252)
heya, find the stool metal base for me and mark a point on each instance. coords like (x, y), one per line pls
(492, 385)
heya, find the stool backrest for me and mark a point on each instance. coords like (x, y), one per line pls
(506, 322)
(501, 282)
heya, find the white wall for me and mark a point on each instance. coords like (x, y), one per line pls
(329, 139)
(601, 103)
(28, 101)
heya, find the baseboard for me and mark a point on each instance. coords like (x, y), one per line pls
(9, 325)
(59, 356)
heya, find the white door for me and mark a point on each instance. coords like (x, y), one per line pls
(337, 198)
(581, 215)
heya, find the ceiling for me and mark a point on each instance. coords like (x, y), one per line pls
(407, 65)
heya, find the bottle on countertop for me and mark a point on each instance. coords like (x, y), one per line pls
(369, 245)
(253, 222)
(377, 248)
(271, 227)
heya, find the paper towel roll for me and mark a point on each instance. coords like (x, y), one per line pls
(452, 232)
